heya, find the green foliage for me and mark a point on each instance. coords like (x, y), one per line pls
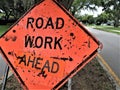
(103, 18)
(16, 8)
(113, 8)
(110, 7)
(6, 6)
(106, 28)
(3, 28)
(1, 15)
(84, 4)
(66, 3)
(87, 19)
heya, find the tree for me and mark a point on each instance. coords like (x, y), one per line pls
(87, 19)
(113, 8)
(84, 4)
(6, 6)
(91, 19)
(16, 8)
(66, 3)
(103, 18)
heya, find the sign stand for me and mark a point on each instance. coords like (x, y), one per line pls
(5, 77)
(69, 83)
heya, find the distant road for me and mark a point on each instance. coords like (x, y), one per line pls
(111, 48)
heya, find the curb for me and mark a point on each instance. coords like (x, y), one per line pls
(9, 74)
(109, 71)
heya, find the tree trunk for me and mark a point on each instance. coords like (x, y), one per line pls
(66, 3)
(116, 22)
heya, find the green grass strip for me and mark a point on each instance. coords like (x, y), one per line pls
(3, 29)
(108, 29)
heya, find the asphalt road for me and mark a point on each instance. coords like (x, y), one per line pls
(111, 48)
(2, 67)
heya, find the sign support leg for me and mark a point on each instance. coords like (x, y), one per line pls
(69, 83)
(5, 77)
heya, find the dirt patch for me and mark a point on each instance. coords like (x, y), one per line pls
(91, 77)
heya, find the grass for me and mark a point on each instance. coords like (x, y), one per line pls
(1, 14)
(107, 28)
(3, 28)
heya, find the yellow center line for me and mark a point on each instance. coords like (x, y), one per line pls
(109, 69)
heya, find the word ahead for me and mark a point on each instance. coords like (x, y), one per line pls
(37, 63)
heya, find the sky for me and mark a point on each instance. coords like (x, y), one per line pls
(94, 13)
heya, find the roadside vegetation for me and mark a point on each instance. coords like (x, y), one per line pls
(3, 28)
(106, 28)
(11, 10)
(1, 14)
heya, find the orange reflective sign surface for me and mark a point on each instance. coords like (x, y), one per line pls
(47, 46)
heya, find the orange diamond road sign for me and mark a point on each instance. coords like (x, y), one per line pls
(47, 46)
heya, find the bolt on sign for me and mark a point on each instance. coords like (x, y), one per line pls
(47, 46)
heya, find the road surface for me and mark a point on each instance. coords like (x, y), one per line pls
(111, 48)
(2, 67)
